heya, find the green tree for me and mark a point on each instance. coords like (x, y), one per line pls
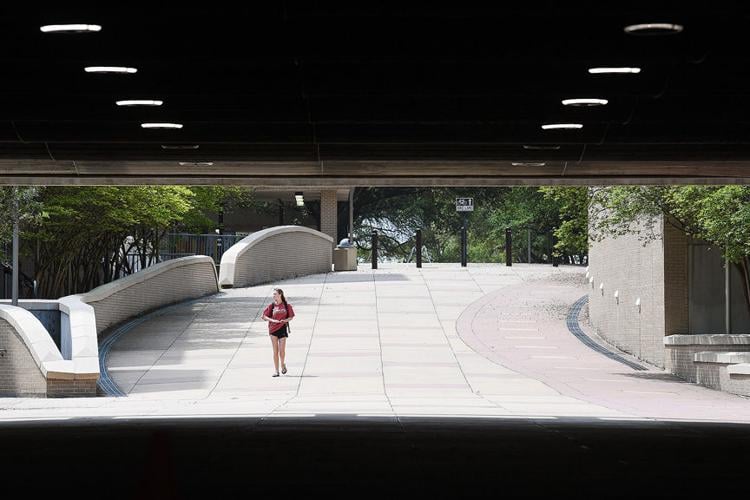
(86, 232)
(572, 206)
(29, 210)
(398, 212)
(719, 215)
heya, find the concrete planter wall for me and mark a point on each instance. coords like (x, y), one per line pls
(32, 365)
(719, 361)
(276, 253)
(165, 283)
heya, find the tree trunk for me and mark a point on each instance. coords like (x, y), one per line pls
(745, 267)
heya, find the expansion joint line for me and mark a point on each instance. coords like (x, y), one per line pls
(247, 332)
(312, 335)
(380, 348)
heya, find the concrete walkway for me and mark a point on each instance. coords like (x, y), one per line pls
(383, 344)
(523, 328)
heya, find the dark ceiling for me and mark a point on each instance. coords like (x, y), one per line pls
(303, 81)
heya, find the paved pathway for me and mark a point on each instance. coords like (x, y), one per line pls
(523, 328)
(383, 343)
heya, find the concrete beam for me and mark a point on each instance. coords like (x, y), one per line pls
(371, 173)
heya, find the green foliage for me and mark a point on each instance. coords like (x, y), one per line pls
(82, 235)
(398, 212)
(210, 200)
(572, 204)
(719, 215)
(28, 211)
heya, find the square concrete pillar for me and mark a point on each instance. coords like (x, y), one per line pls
(328, 214)
(344, 259)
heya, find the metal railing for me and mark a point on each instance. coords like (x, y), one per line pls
(176, 245)
(27, 285)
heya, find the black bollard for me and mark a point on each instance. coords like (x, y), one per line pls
(464, 243)
(374, 249)
(419, 248)
(508, 247)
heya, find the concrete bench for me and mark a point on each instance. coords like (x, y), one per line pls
(724, 371)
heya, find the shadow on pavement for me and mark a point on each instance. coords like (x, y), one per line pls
(356, 457)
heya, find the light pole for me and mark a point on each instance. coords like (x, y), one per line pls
(14, 215)
(218, 245)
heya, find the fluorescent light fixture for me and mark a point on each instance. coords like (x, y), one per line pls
(541, 147)
(70, 28)
(614, 70)
(561, 126)
(528, 163)
(654, 29)
(109, 69)
(161, 125)
(196, 163)
(140, 102)
(298, 196)
(584, 102)
(180, 146)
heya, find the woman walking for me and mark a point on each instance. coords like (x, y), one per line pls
(278, 314)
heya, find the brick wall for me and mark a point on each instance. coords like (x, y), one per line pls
(282, 256)
(625, 265)
(177, 284)
(61, 388)
(329, 214)
(675, 281)
(19, 373)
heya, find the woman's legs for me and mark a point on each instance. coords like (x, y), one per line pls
(282, 350)
(275, 344)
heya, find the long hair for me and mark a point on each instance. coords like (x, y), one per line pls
(281, 292)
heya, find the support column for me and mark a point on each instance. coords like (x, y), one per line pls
(351, 215)
(328, 214)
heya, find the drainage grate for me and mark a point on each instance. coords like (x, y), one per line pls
(575, 329)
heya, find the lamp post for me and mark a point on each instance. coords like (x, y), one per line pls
(219, 245)
(14, 215)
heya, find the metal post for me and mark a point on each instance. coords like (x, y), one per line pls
(351, 215)
(528, 245)
(554, 257)
(508, 247)
(14, 215)
(727, 298)
(419, 248)
(374, 249)
(464, 256)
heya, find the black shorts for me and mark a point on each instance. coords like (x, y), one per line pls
(282, 332)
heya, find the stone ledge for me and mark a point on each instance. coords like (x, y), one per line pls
(726, 358)
(739, 369)
(109, 289)
(707, 339)
(230, 260)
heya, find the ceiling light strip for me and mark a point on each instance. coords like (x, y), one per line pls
(140, 102)
(110, 69)
(70, 28)
(162, 125)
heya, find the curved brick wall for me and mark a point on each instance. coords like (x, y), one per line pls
(154, 287)
(276, 253)
(19, 373)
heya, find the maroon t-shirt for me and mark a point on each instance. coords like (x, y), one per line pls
(279, 312)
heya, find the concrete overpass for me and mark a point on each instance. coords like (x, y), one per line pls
(395, 96)
(348, 174)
